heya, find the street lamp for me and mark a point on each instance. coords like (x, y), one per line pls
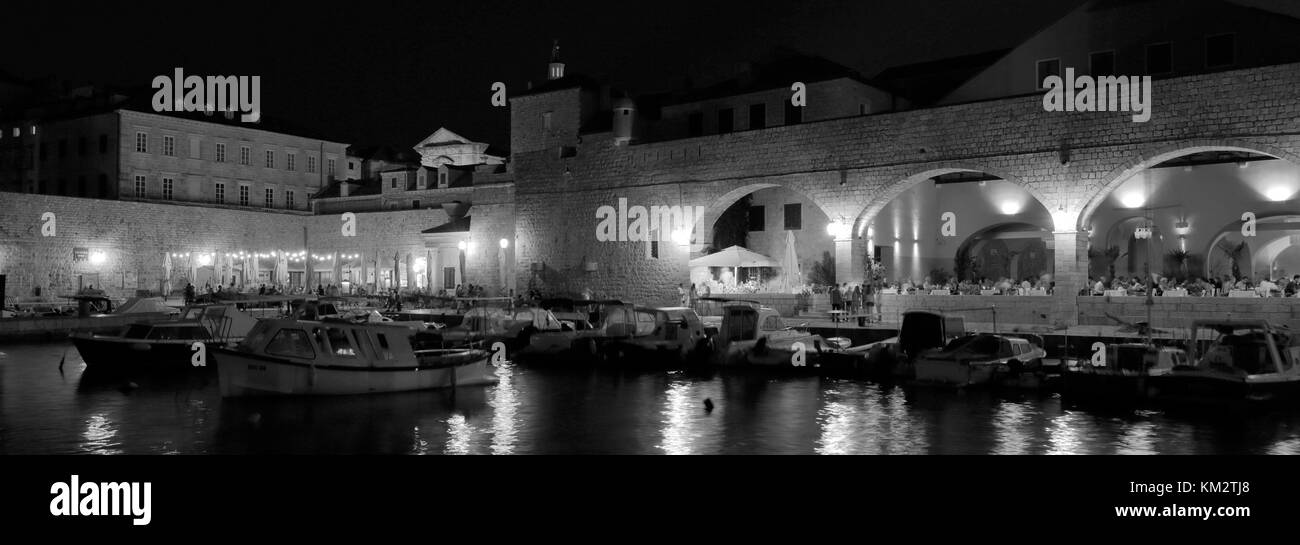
(504, 243)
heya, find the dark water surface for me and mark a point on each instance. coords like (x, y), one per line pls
(545, 410)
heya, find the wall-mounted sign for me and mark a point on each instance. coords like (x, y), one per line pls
(80, 254)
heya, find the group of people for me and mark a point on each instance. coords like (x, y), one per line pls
(1262, 286)
(1029, 285)
(689, 297)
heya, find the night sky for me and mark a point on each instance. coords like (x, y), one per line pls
(391, 73)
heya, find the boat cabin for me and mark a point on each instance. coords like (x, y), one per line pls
(332, 343)
(1249, 347)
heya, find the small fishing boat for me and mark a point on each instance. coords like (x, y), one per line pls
(980, 359)
(335, 357)
(168, 343)
(1250, 361)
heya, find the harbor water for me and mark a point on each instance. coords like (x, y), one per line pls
(559, 410)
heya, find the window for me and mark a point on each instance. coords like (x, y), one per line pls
(290, 161)
(103, 143)
(81, 146)
(139, 187)
(244, 155)
(169, 146)
(386, 352)
(1101, 63)
(772, 323)
(352, 165)
(756, 218)
(221, 193)
(757, 116)
(291, 342)
(1220, 50)
(243, 195)
(1160, 58)
(393, 182)
(654, 248)
(793, 217)
(311, 163)
(726, 120)
(793, 114)
(1045, 68)
(695, 124)
(270, 197)
(330, 166)
(141, 142)
(168, 185)
(340, 343)
(220, 155)
(546, 121)
(442, 179)
(288, 199)
(415, 204)
(270, 159)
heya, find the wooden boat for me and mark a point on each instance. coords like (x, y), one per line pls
(299, 357)
(169, 343)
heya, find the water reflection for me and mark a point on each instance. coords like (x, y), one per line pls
(571, 410)
(459, 435)
(100, 435)
(678, 422)
(505, 404)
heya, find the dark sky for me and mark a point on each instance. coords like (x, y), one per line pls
(392, 72)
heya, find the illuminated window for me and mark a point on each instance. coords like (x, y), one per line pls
(139, 187)
(289, 162)
(270, 159)
(243, 195)
(221, 153)
(270, 198)
(221, 193)
(169, 146)
(167, 186)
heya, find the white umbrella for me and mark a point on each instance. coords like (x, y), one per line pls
(167, 274)
(791, 276)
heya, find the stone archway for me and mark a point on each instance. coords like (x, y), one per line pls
(1157, 155)
(896, 189)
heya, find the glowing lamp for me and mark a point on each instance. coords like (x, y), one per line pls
(98, 257)
(503, 243)
(1142, 233)
(461, 245)
(1182, 228)
(682, 237)
(1278, 193)
(205, 260)
(1010, 208)
(1132, 200)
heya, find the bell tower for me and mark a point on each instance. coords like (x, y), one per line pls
(556, 69)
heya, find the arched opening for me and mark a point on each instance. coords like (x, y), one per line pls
(1012, 250)
(777, 223)
(960, 225)
(1177, 217)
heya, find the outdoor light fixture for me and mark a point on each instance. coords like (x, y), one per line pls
(461, 245)
(681, 237)
(470, 247)
(98, 257)
(840, 229)
(205, 260)
(1132, 200)
(504, 243)
(1278, 193)
(1010, 208)
(1142, 233)
(1182, 228)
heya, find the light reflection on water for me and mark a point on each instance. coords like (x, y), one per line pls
(547, 411)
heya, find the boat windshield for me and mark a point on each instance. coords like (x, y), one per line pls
(291, 342)
(1240, 353)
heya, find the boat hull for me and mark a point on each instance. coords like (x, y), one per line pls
(1207, 387)
(952, 373)
(117, 353)
(243, 374)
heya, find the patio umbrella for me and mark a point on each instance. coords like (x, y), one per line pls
(167, 274)
(337, 271)
(734, 257)
(282, 269)
(791, 277)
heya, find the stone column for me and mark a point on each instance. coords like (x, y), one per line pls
(844, 271)
(1070, 256)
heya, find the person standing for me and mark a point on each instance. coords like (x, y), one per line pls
(692, 296)
(189, 293)
(837, 301)
(681, 294)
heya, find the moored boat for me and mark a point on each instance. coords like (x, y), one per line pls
(166, 344)
(298, 357)
(1250, 361)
